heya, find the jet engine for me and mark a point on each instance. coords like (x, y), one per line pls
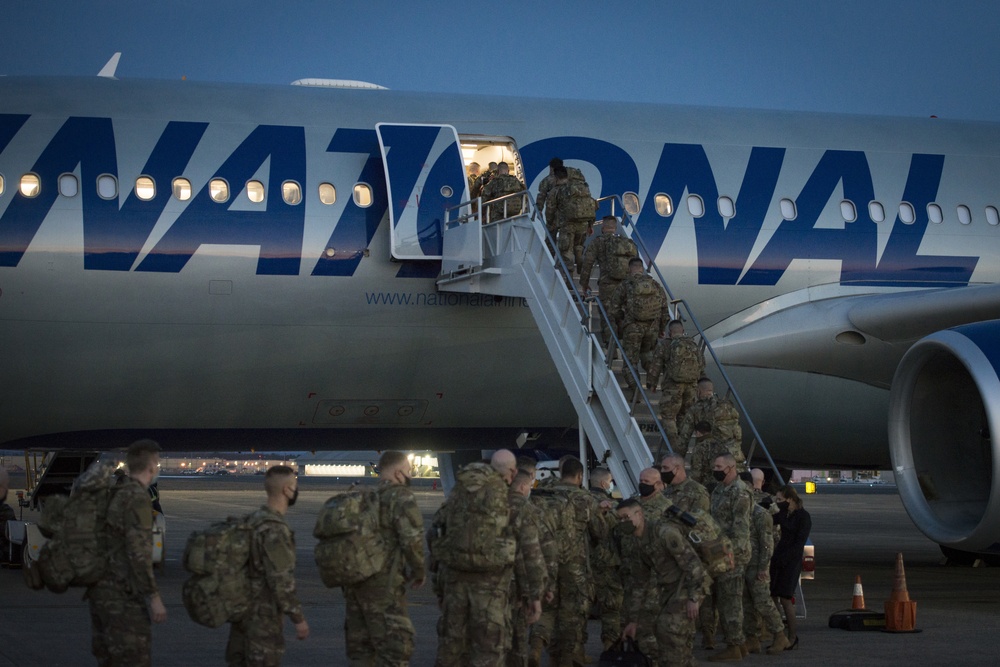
(944, 409)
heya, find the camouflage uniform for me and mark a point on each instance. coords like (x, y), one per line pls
(120, 621)
(572, 228)
(675, 576)
(681, 363)
(611, 254)
(655, 506)
(544, 188)
(688, 495)
(500, 186)
(638, 331)
(377, 627)
(259, 639)
(530, 574)
(731, 506)
(557, 526)
(604, 563)
(757, 602)
(481, 182)
(726, 435)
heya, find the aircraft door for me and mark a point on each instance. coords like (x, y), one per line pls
(424, 175)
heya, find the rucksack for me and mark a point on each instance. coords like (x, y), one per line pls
(712, 546)
(617, 255)
(579, 203)
(685, 363)
(477, 536)
(76, 553)
(646, 301)
(350, 548)
(557, 516)
(218, 559)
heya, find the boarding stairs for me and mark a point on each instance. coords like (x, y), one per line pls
(487, 251)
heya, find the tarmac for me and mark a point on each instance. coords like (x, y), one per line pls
(857, 530)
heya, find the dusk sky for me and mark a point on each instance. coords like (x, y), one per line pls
(914, 58)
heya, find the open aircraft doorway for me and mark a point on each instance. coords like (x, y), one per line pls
(483, 149)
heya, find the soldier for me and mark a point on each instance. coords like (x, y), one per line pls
(731, 506)
(725, 435)
(757, 603)
(574, 209)
(501, 185)
(472, 631)
(546, 186)
(651, 497)
(639, 313)
(611, 253)
(680, 489)
(377, 627)
(604, 562)
(668, 596)
(258, 639)
(119, 613)
(6, 514)
(680, 361)
(483, 180)
(530, 569)
(472, 174)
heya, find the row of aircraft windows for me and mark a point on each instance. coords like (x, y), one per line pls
(218, 189)
(291, 193)
(848, 210)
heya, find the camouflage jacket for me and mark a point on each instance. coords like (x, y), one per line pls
(130, 539)
(530, 570)
(619, 310)
(720, 413)
(499, 186)
(602, 251)
(731, 507)
(550, 524)
(546, 186)
(675, 573)
(603, 556)
(402, 527)
(654, 507)
(272, 563)
(678, 360)
(761, 540)
(688, 495)
(589, 525)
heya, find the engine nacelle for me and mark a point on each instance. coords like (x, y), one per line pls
(944, 406)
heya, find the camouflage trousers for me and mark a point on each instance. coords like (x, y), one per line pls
(561, 627)
(758, 606)
(572, 235)
(605, 288)
(638, 341)
(377, 626)
(517, 632)
(472, 631)
(609, 595)
(676, 399)
(728, 594)
(674, 638)
(122, 634)
(258, 640)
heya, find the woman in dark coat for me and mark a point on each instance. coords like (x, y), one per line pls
(786, 563)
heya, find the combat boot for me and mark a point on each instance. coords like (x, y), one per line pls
(780, 644)
(708, 641)
(752, 645)
(731, 653)
(535, 655)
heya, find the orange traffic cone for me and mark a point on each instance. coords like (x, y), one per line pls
(900, 611)
(858, 602)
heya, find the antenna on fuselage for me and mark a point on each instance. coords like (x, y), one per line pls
(108, 71)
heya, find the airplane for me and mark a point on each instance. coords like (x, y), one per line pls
(223, 266)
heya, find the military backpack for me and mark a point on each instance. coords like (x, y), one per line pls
(645, 300)
(685, 363)
(476, 533)
(618, 252)
(579, 204)
(76, 553)
(712, 546)
(350, 548)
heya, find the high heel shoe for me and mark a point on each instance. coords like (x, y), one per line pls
(794, 645)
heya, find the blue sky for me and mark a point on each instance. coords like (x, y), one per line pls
(914, 57)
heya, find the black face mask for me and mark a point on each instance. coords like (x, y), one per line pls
(667, 477)
(646, 489)
(295, 496)
(719, 475)
(783, 506)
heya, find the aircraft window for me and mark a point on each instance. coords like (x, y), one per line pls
(1, 184)
(107, 186)
(291, 192)
(788, 211)
(664, 205)
(935, 214)
(906, 213)
(68, 185)
(876, 211)
(630, 201)
(145, 188)
(327, 193)
(964, 214)
(182, 189)
(31, 185)
(848, 210)
(696, 206)
(255, 191)
(992, 215)
(363, 195)
(218, 190)
(727, 207)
